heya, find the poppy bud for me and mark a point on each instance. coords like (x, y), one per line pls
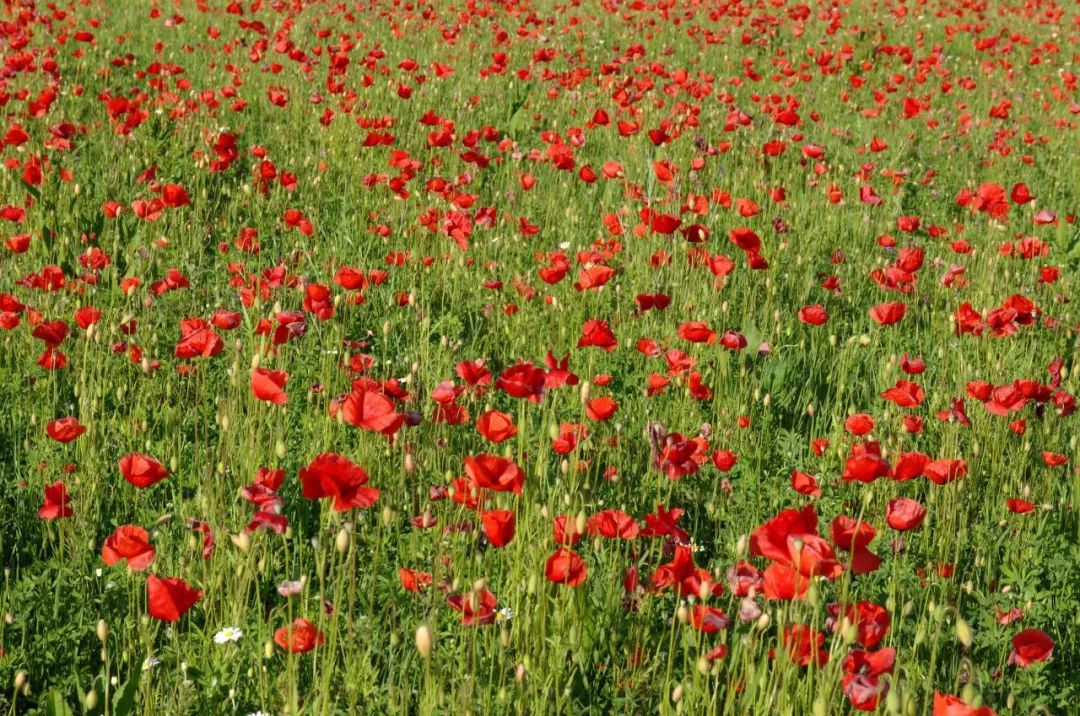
(268, 649)
(820, 707)
(395, 640)
(676, 694)
(224, 423)
(424, 641)
(848, 631)
(242, 541)
(341, 541)
(410, 465)
(20, 680)
(256, 360)
(813, 595)
(387, 516)
(585, 391)
(682, 614)
(964, 632)
(553, 431)
(740, 546)
(174, 463)
(519, 672)
(564, 466)
(580, 522)
(504, 637)
(279, 449)
(968, 694)
(893, 702)
(91, 700)
(102, 631)
(763, 621)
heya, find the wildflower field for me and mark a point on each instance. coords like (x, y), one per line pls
(586, 357)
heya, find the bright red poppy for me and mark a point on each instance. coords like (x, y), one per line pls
(170, 598)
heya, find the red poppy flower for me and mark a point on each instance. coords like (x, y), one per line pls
(864, 463)
(565, 531)
(299, 637)
(805, 484)
(859, 424)
(523, 380)
(886, 314)
(815, 315)
(413, 580)
(476, 608)
(496, 426)
(1030, 646)
(131, 543)
(197, 339)
(142, 471)
(612, 524)
(803, 644)
(948, 705)
(565, 567)
(597, 333)
(905, 394)
(498, 526)
(495, 473)
(64, 430)
(1019, 506)
(601, 409)
(56, 504)
(331, 475)
(170, 598)
(269, 385)
(708, 619)
(904, 514)
(371, 410)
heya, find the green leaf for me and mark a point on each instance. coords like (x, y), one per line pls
(55, 704)
(125, 695)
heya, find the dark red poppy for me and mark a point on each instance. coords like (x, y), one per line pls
(1030, 646)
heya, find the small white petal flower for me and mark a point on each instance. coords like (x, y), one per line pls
(150, 662)
(227, 635)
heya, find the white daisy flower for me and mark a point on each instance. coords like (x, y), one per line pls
(150, 662)
(227, 635)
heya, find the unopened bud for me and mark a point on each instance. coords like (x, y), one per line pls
(424, 641)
